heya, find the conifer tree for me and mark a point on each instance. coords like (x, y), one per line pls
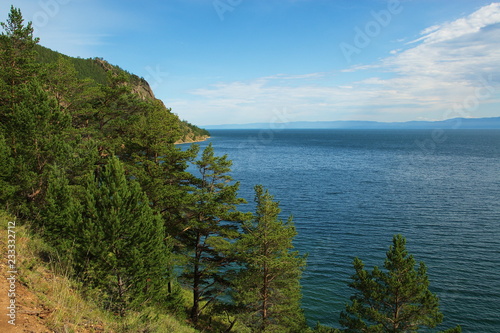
(17, 53)
(33, 124)
(268, 286)
(116, 109)
(209, 227)
(61, 214)
(151, 156)
(36, 136)
(121, 246)
(6, 169)
(395, 300)
(71, 93)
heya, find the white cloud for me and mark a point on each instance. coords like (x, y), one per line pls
(430, 29)
(452, 66)
(481, 18)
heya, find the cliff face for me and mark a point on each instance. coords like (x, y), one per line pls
(144, 90)
(140, 86)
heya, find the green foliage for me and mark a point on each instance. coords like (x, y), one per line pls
(324, 329)
(84, 68)
(36, 135)
(121, 249)
(268, 289)
(61, 214)
(161, 171)
(71, 93)
(33, 124)
(17, 55)
(6, 168)
(209, 228)
(77, 80)
(190, 132)
(395, 300)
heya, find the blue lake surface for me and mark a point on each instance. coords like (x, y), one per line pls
(350, 191)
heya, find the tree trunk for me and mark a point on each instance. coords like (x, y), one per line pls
(265, 298)
(196, 282)
(121, 296)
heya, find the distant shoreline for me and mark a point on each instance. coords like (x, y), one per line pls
(454, 123)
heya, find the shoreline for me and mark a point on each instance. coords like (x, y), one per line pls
(192, 141)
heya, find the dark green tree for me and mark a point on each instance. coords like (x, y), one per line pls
(163, 175)
(32, 124)
(210, 224)
(395, 300)
(158, 165)
(61, 214)
(268, 287)
(115, 111)
(72, 94)
(6, 169)
(121, 247)
(17, 56)
(324, 329)
(37, 139)
(151, 156)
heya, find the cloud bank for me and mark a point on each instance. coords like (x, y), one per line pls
(451, 69)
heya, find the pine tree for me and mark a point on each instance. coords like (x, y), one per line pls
(158, 165)
(33, 125)
(121, 246)
(115, 111)
(37, 139)
(72, 94)
(61, 214)
(17, 54)
(6, 169)
(395, 300)
(209, 228)
(268, 287)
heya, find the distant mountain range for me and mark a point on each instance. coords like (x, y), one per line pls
(455, 123)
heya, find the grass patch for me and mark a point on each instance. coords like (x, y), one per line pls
(64, 306)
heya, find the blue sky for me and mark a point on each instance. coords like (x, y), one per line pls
(242, 61)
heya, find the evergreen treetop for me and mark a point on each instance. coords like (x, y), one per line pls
(268, 287)
(396, 299)
(121, 249)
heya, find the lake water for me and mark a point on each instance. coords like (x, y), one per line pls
(350, 191)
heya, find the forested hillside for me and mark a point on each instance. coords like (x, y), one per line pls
(89, 164)
(97, 70)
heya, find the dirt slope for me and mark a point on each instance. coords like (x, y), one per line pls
(29, 311)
